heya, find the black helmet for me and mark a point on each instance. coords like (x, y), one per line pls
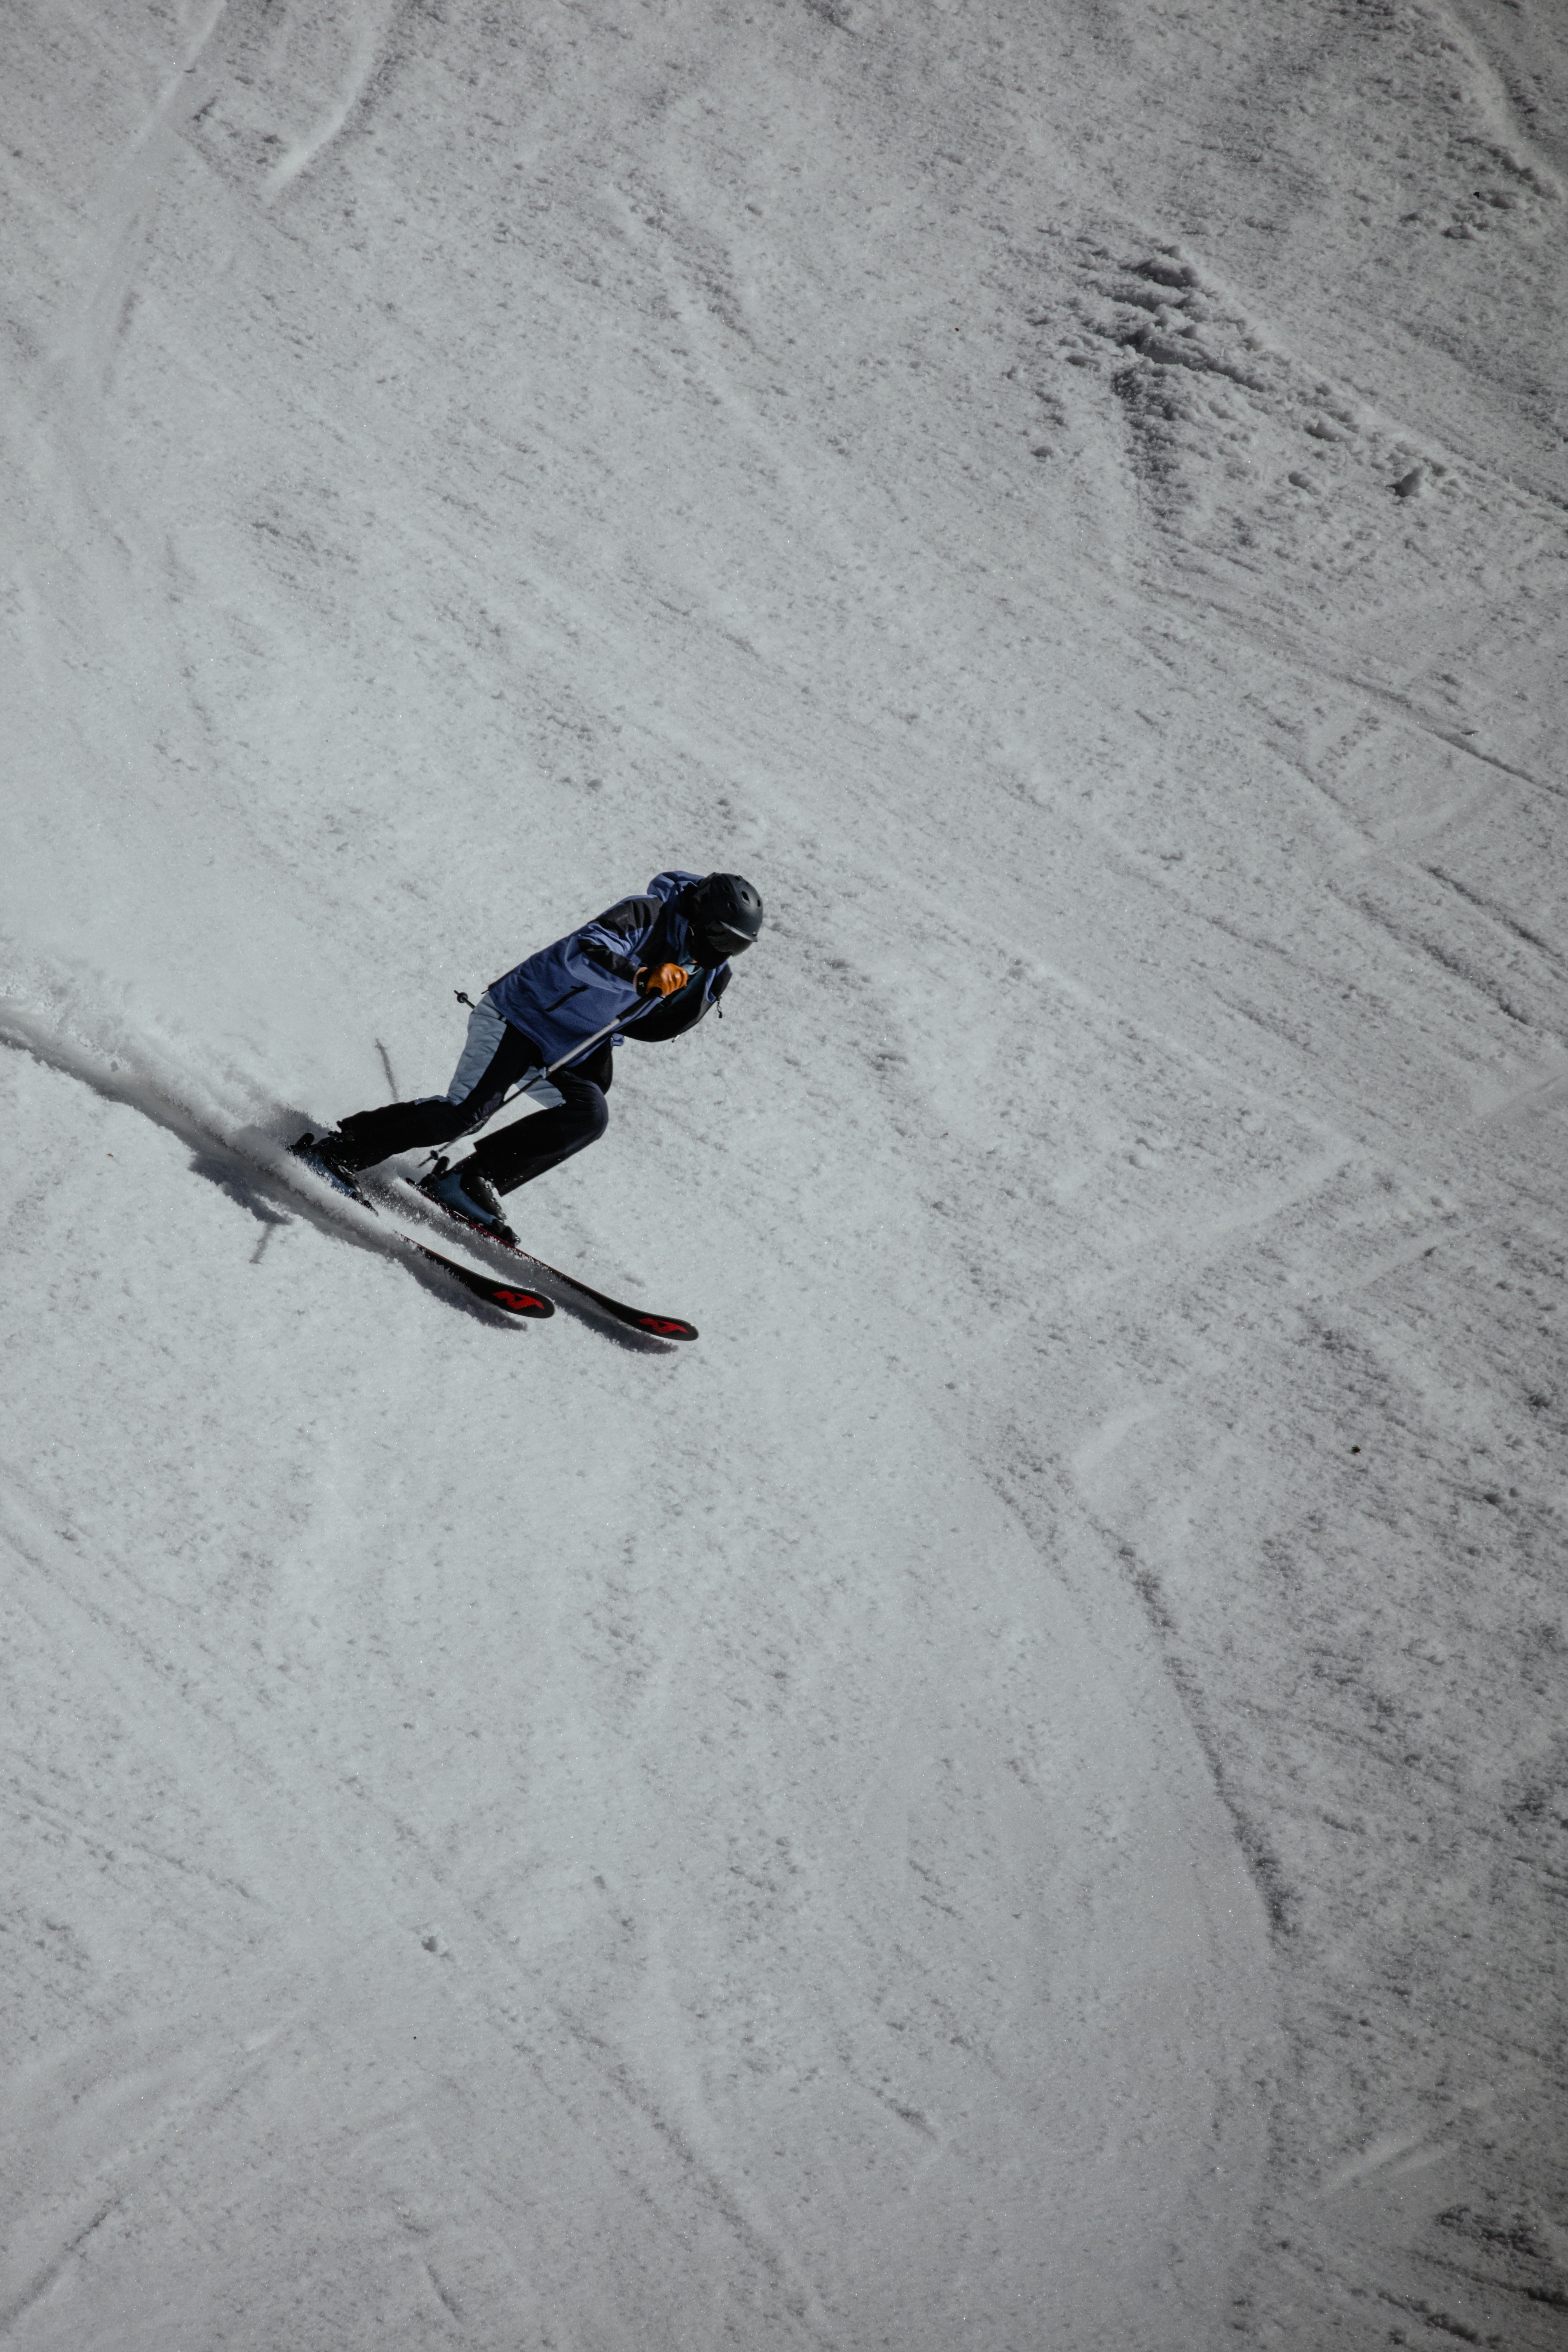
(725, 915)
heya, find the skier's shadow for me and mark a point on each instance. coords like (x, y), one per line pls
(234, 1185)
(120, 1079)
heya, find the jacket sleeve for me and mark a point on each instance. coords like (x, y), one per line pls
(615, 939)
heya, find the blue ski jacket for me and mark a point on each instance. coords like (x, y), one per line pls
(561, 995)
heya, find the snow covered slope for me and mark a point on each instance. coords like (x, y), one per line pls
(1014, 1796)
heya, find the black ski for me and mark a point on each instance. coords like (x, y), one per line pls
(511, 1300)
(505, 1296)
(636, 1318)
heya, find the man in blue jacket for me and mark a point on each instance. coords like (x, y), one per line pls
(669, 949)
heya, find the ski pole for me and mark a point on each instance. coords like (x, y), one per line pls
(578, 1051)
(562, 1060)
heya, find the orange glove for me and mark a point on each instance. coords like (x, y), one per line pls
(662, 981)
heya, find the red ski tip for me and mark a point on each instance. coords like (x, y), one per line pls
(667, 1326)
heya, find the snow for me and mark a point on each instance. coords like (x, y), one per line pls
(1014, 1795)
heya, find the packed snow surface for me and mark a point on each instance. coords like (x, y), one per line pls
(1012, 1798)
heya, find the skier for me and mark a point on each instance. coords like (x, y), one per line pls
(671, 949)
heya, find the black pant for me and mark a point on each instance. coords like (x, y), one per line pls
(516, 1154)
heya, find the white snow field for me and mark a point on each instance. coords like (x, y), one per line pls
(1012, 1798)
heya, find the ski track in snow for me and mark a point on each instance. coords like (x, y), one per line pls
(1016, 1796)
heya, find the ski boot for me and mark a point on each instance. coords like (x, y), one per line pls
(465, 1193)
(322, 1158)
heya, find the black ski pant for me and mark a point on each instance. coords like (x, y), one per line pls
(516, 1153)
(530, 1146)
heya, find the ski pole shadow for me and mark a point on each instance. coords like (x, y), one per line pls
(236, 1186)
